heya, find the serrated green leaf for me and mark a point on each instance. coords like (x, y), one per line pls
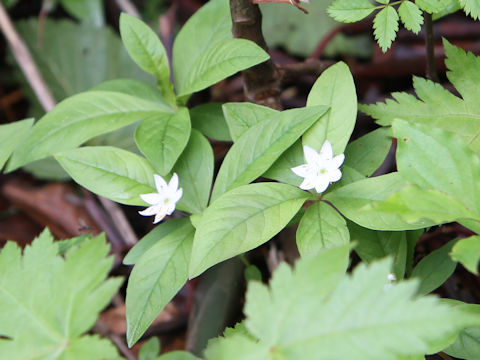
(350, 10)
(48, 302)
(162, 138)
(242, 219)
(419, 149)
(209, 120)
(258, 148)
(146, 49)
(78, 119)
(367, 153)
(156, 278)
(321, 227)
(236, 347)
(10, 135)
(385, 27)
(204, 51)
(350, 199)
(299, 318)
(375, 245)
(436, 106)
(154, 236)
(240, 117)
(467, 252)
(434, 269)
(334, 88)
(110, 172)
(411, 16)
(195, 173)
(150, 349)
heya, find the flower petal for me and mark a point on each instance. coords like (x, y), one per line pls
(321, 184)
(307, 184)
(160, 183)
(170, 208)
(152, 198)
(173, 184)
(177, 195)
(160, 215)
(152, 210)
(327, 151)
(334, 175)
(311, 156)
(302, 170)
(337, 161)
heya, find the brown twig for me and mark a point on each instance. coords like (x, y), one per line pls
(295, 3)
(430, 44)
(128, 7)
(102, 329)
(25, 60)
(261, 82)
(121, 222)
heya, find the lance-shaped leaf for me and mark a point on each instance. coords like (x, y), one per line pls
(385, 27)
(436, 159)
(334, 88)
(298, 318)
(258, 148)
(351, 200)
(10, 136)
(375, 245)
(281, 169)
(110, 172)
(241, 220)
(80, 118)
(367, 153)
(321, 227)
(156, 278)
(146, 49)
(163, 138)
(240, 117)
(47, 301)
(195, 172)
(205, 52)
(209, 120)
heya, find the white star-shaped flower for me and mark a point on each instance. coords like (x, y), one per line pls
(321, 168)
(164, 200)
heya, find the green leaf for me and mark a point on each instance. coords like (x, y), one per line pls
(436, 106)
(304, 315)
(10, 135)
(240, 117)
(195, 172)
(154, 236)
(434, 269)
(258, 148)
(47, 302)
(132, 87)
(204, 51)
(150, 349)
(467, 252)
(178, 355)
(375, 245)
(350, 10)
(90, 11)
(419, 149)
(414, 204)
(78, 119)
(209, 120)
(411, 16)
(146, 49)
(321, 227)
(367, 153)
(241, 220)
(236, 347)
(350, 199)
(334, 88)
(433, 6)
(467, 345)
(110, 172)
(385, 27)
(162, 138)
(156, 278)
(281, 168)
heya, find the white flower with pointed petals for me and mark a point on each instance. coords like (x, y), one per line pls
(164, 200)
(321, 168)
